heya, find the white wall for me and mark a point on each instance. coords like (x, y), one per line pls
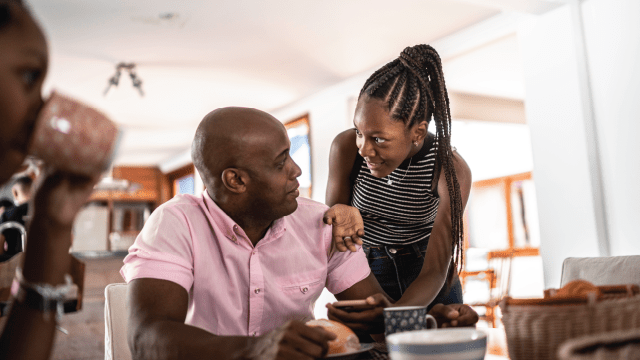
(557, 123)
(561, 168)
(612, 32)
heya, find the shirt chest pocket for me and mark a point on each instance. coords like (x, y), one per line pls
(307, 285)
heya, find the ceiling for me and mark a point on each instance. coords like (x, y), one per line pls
(195, 56)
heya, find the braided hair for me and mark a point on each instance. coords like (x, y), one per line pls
(413, 88)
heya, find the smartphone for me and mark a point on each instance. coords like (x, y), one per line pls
(352, 305)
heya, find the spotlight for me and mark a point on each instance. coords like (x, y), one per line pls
(115, 79)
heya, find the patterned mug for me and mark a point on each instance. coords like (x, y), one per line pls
(74, 137)
(407, 318)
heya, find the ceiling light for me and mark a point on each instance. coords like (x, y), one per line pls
(115, 79)
(168, 16)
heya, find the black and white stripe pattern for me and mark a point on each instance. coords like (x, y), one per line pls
(403, 212)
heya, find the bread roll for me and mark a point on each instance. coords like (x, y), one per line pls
(346, 340)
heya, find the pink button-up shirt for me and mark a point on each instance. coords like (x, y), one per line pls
(235, 288)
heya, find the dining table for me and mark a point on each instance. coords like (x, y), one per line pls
(379, 352)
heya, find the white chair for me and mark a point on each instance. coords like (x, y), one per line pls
(606, 270)
(116, 346)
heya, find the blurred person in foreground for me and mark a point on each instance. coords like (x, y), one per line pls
(234, 273)
(21, 191)
(6, 204)
(27, 332)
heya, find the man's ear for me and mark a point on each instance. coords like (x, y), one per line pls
(235, 180)
(419, 131)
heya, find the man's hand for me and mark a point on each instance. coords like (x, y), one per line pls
(293, 340)
(369, 321)
(348, 227)
(454, 315)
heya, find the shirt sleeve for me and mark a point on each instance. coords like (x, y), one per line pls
(345, 269)
(163, 250)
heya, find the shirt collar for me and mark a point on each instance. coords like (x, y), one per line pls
(233, 231)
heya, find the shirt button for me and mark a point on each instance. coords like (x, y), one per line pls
(254, 253)
(305, 289)
(393, 251)
(254, 333)
(257, 290)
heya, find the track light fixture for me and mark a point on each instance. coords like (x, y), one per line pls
(115, 79)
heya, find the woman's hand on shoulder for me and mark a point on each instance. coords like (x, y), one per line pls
(348, 228)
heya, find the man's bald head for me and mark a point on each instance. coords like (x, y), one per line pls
(226, 138)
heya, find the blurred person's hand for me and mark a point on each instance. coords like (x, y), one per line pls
(60, 196)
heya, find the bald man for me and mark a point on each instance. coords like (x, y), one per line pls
(235, 273)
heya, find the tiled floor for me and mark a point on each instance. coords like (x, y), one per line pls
(86, 328)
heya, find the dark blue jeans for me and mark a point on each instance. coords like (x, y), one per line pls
(396, 267)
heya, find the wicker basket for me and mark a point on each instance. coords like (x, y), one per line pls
(614, 345)
(536, 328)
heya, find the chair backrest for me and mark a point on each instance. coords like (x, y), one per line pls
(17, 226)
(605, 270)
(500, 261)
(115, 323)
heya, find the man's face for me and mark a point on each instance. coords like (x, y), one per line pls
(273, 188)
(23, 66)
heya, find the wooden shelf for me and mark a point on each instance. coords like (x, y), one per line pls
(146, 181)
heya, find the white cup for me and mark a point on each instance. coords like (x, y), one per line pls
(440, 344)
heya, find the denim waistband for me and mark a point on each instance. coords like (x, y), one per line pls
(393, 251)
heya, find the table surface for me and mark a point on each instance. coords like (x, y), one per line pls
(379, 352)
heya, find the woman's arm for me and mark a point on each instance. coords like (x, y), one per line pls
(342, 156)
(346, 220)
(27, 333)
(439, 251)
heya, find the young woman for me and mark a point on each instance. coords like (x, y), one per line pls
(28, 333)
(409, 186)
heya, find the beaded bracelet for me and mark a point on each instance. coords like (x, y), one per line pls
(42, 296)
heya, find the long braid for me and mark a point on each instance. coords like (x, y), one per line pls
(414, 90)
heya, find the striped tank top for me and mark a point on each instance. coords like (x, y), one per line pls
(403, 212)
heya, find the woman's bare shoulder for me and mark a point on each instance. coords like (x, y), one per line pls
(345, 142)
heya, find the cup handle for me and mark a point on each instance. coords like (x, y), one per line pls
(431, 322)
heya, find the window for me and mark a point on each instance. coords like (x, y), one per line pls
(184, 185)
(298, 131)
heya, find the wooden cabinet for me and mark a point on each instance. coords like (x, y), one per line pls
(145, 185)
(128, 209)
